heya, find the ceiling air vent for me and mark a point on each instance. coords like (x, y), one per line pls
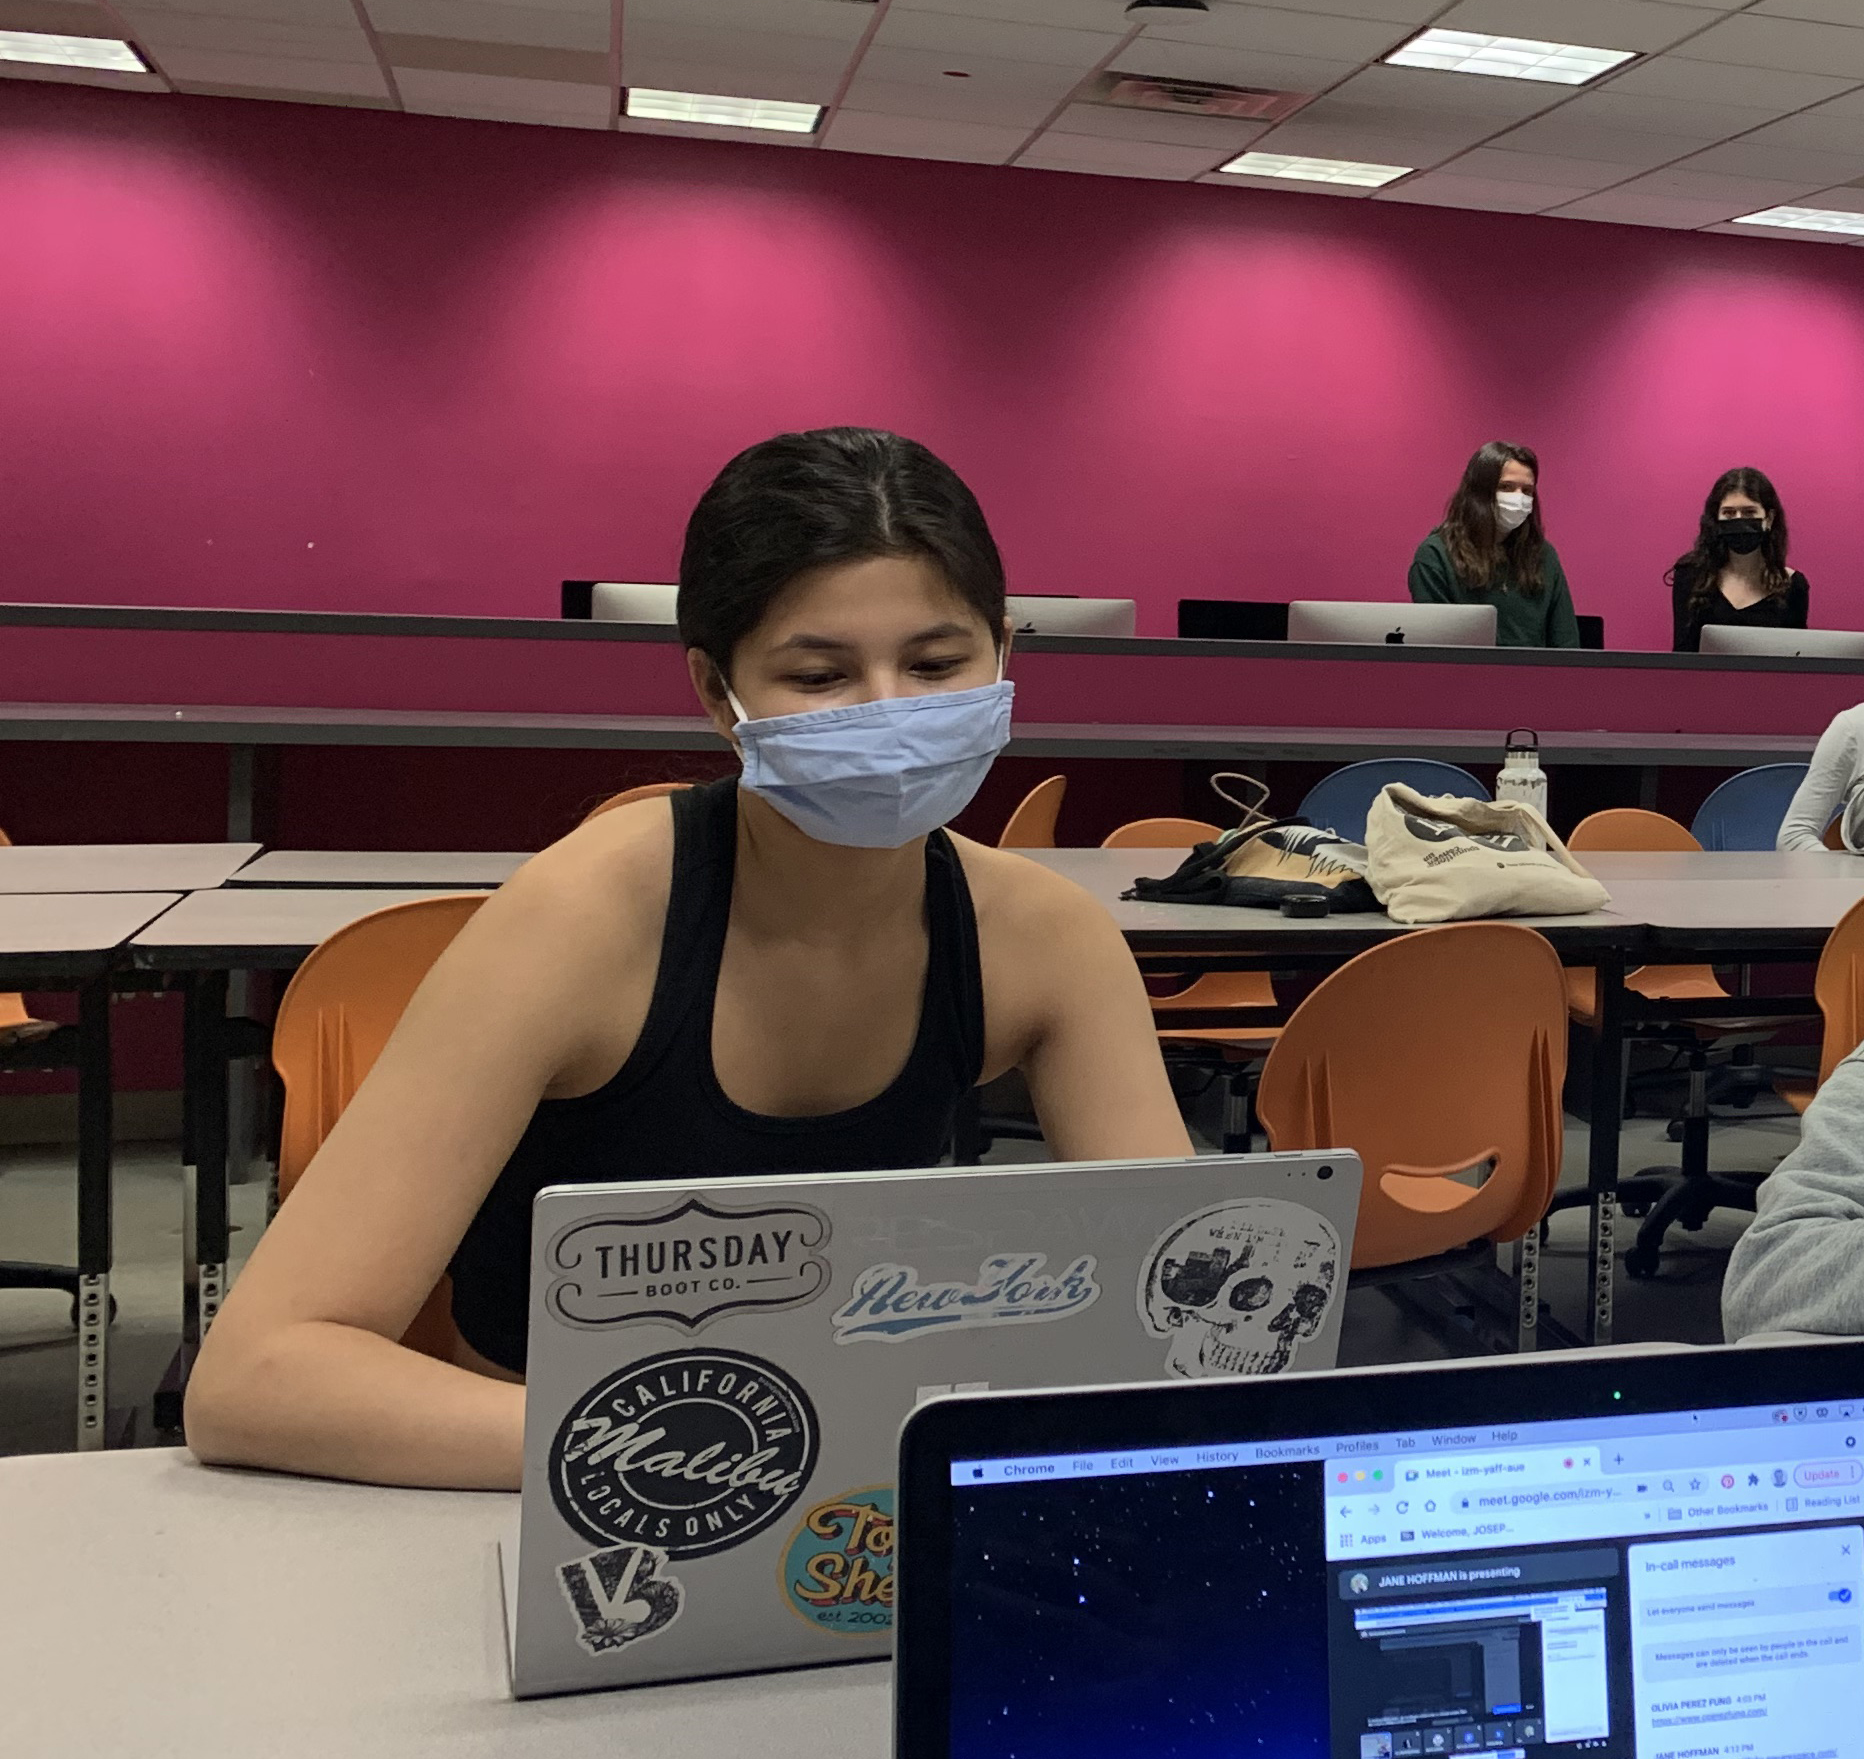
(1197, 97)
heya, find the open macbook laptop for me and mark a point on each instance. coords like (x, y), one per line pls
(718, 1373)
(1610, 1553)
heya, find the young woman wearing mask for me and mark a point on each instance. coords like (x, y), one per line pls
(1491, 550)
(1737, 572)
(793, 969)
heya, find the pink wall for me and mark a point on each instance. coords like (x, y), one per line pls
(264, 355)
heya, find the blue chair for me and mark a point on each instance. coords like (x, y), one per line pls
(1342, 800)
(1746, 811)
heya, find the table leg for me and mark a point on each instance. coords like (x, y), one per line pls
(94, 1217)
(1608, 1102)
(206, 1076)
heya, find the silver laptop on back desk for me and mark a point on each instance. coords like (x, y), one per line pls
(718, 1373)
(1393, 625)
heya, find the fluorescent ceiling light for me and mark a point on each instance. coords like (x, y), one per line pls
(1566, 64)
(1805, 220)
(45, 50)
(652, 106)
(1302, 170)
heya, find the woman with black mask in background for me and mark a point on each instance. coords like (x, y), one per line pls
(1737, 572)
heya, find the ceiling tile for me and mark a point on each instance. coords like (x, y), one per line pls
(498, 60)
(358, 78)
(1396, 12)
(832, 19)
(1103, 15)
(741, 64)
(1819, 11)
(954, 39)
(1801, 165)
(1277, 30)
(1643, 25)
(1509, 167)
(288, 95)
(489, 21)
(757, 137)
(1330, 138)
(860, 131)
(1752, 87)
(1836, 126)
(1793, 45)
(1451, 189)
(1282, 185)
(168, 31)
(326, 12)
(912, 82)
(1696, 198)
(1847, 198)
(1628, 130)
(1167, 58)
(487, 96)
(1421, 94)
(1117, 158)
(1623, 207)
(1117, 122)
(59, 18)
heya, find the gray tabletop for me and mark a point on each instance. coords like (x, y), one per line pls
(121, 867)
(1615, 866)
(259, 925)
(225, 725)
(159, 1608)
(39, 924)
(345, 867)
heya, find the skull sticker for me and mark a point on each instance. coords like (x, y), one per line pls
(1239, 1287)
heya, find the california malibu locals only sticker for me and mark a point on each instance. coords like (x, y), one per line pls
(686, 1265)
(692, 1452)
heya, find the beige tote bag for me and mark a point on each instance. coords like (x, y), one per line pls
(1435, 858)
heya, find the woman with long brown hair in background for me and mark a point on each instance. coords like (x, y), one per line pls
(1491, 549)
(1737, 572)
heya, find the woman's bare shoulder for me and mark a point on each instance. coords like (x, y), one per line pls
(1013, 892)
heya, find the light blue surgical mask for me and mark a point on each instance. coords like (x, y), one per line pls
(875, 775)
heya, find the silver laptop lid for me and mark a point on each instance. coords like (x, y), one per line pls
(717, 1374)
(1392, 624)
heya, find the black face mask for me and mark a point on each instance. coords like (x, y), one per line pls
(1743, 536)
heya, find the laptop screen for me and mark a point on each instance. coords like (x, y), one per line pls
(1687, 1584)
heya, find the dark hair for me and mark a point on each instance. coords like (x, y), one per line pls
(1703, 566)
(810, 500)
(1473, 536)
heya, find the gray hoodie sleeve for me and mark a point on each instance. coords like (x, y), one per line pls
(1836, 764)
(1800, 1267)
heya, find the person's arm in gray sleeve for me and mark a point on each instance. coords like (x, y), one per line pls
(1834, 767)
(1800, 1266)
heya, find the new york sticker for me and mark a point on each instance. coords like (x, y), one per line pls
(890, 1303)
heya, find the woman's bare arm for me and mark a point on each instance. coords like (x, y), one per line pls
(302, 1371)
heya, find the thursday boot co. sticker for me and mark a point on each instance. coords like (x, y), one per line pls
(686, 1265)
(620, 1595)
(692, 1452)
(837, 1569)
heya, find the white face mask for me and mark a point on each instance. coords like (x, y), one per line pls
(1512, 506)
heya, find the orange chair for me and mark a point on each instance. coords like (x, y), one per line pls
(646, 791)
(1630, 827)
(1216, 989)
(1032, 824)
(16, 1025)
(336, 1015)
(1839, 991)
(1433, 1056)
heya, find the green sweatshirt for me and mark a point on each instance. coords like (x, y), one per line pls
(1542, 619)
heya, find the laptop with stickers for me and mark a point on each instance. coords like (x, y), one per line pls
(718, 1374)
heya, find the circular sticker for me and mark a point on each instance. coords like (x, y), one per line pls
(837, 1568)
(693, 1451)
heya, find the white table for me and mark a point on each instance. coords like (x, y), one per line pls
(160, 1609)
(121, 867)
(392, 868)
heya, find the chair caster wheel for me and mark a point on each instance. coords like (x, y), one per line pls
(1636, 1208)
(1673, 1131)
(74, 1311)
(1642, 1266)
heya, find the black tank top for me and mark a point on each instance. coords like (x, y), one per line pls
(663, 1115)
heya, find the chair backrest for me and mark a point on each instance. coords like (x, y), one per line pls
(1839, 987)
(627, 797)
(1341, 801)
(1746, 811)
(1032, 824)
(12, 1004)
(1631, 827)
(1426, 1055)
(1161, 833)
(336, 1015)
